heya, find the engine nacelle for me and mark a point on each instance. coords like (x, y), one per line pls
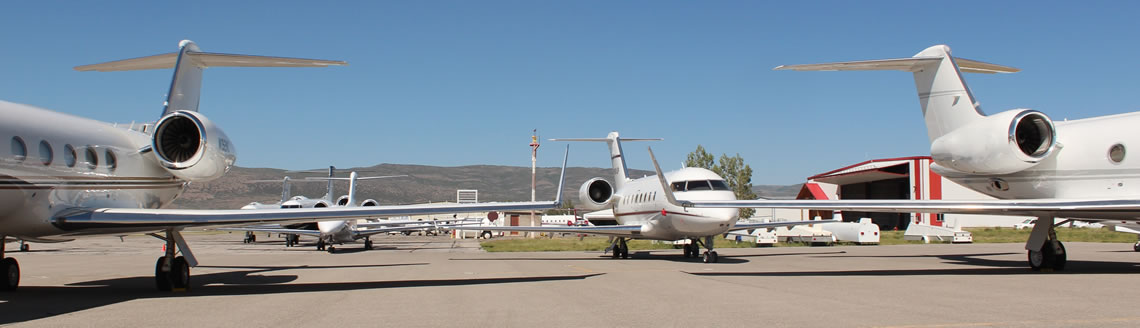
(595, 194)
(369, 202)
(191, 147)
(1002, 143)
(342, 201)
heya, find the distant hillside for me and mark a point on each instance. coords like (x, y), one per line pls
(423, 184)
(776, 191)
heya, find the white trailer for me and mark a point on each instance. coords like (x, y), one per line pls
(863, 232)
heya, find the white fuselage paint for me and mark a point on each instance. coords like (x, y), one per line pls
(642, 202)
(1080, 169)
(32, 192)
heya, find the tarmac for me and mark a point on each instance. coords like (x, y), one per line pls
(414, 281)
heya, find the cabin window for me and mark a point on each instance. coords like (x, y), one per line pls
(719, 185)
(19, 149)
(112, 162)
(1116, 153)
(46, 155)
(699, 185)
(69, 155)
(90, 157)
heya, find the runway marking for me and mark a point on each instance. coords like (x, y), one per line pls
(1026, 322)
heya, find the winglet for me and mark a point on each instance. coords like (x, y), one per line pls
(562, 178)
(665, 184)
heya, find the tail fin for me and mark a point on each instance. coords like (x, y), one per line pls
(946, 100)
(617, 156)
(188, 63)
(352, 178)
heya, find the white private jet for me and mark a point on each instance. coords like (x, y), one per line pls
(1034, 165)
(644, 208)
(332, 232)
(64, 176)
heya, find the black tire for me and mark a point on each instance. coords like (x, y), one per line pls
(715, 258)
(25, 247)
(161, 279)
(1059, 260)
(332, 249)
(9, 274)
(625, 252)
(180, 273)
(1042, 259)
(616, 253)
(1136, 246)
(487, 235)
(368, 245)
(708, 257)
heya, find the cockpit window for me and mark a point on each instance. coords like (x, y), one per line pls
(719, 185)
(696, 185)
(679, 186)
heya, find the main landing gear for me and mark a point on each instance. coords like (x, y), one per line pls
(693, 249)
(172, 272)
(367, 244)
(250, 238)
(292, 240)
(1045, 251)
(619, 248)
(9, 270)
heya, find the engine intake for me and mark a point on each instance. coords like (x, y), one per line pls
(191, 147)
(1003, 143)
(595, 194)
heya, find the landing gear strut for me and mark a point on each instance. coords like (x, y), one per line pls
(292, 240)
(249, 238)
(1045, 251)
(692, 249)
(9, 270)
(24, 247)
(367, 244)
(171, 272)
(619, 248)
(320, 244)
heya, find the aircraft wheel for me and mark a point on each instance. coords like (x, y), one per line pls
(180, 273)
(25, 247)
(1136, 246)
(708, 257)
(616, 253)
(715, 258)
(9, 274)
(368, 245)
(1041, 259)
(332, 249)
(161, 279)
(486, 235)
(625, 252)
(1059, 260)
(321, 245)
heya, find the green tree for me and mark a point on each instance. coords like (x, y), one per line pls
(700, 158)
(737, 174)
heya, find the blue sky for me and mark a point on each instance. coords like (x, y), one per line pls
(463, 82)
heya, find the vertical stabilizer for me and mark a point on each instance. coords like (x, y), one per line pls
(947, 103)
(285, 190)
(329, 195)
(946, 100)
(186, 86)
(617, 156)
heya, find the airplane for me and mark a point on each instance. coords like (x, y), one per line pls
(644, 208)
(332, 232)
(1033, 165)
(84, 177)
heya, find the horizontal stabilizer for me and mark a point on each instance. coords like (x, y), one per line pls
(607, 139)
(912, 64)
(206, 59)
(358, 178)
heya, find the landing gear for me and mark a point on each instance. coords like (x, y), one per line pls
(367, 244)
(710, 255)
(172, 272)
(1045, 251)
(292, 240)
(249, 238)
(332, 249)
(619, 248)
(692, 249)
(320, 244)
(24, 247)
(1136, 246)
(9, 270)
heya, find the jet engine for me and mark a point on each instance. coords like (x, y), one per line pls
(595, 194)
(369, 202)
(1002, 143)
(191, 147)
(342, 201)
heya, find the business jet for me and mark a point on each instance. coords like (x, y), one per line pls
(1034, 165)
(65, 177)
(645, 208)
(334, 232)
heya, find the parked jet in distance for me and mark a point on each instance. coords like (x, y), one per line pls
(1035, 166)
(643, 211)
(84, 177)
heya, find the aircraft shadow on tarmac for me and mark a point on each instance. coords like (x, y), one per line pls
(987, 267)
(647, 255)
(38, 302)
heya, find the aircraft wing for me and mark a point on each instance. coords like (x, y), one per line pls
(276, 230)
(765, 225)
(610, 230)
(1095, 209)
(87, 221)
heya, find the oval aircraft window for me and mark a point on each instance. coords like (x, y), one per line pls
(46, 154)
(1116, 153)
(112, 162)
(19, 150)
(90, 157)
(69, 155)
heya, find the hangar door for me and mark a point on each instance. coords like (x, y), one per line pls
(880, 189)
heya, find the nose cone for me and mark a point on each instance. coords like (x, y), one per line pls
(328, 227)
